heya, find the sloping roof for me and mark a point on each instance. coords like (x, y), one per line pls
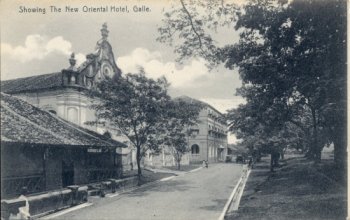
(47, 81)
(189, 99)
(24, 123)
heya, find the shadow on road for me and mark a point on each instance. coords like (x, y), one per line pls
(218, 205)
(169, 186)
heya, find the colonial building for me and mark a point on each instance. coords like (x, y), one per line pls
(42, 152)
(64, 93)
(208, 138)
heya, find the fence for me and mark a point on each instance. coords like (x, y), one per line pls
(34, 206)
(12, 186)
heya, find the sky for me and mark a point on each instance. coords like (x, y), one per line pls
(35, 43)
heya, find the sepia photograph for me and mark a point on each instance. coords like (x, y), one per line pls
(174, 109)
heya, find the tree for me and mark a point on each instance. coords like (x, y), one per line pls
(136, 105)
(291, 58)
(181, 116)
(321, 52)
(261, 132)
(185, 27)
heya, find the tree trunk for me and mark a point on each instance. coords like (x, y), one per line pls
(178, 157)
(272, 162)
(340, 154)
(138, 159)
(277, 159)
(316, 150)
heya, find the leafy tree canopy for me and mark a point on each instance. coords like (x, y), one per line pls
(291, 57)
(137, 106)
(181, 116)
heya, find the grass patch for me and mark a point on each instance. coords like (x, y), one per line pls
(298, 190)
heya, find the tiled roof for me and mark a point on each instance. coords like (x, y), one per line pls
(24, 123)
(189, 99)
(52, 80)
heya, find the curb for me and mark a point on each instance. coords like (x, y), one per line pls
(63, 211)
(176, 173)
(194, 170)
(235, 197)
(111, 195)
(154, 182)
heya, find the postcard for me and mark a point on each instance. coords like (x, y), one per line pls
(184, 109)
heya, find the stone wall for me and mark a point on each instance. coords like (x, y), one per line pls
(165, 159)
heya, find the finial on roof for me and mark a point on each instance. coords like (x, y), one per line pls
(104, 31)
(72, 60)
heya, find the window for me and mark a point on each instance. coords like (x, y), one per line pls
(194, 132)
(73, 115)
(49, 108)
(195, 149)
(107, 134)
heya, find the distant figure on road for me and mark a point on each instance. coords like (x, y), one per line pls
(240, 159)
(205, 163)
(251, 162)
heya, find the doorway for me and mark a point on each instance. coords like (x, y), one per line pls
(67, 174)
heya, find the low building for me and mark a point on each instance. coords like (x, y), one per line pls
(163, 158)
(41, 152)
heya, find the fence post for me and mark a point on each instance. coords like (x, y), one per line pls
(74, 189)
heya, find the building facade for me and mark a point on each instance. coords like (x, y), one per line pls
(208, 138)
(42, 152)
(64, 93)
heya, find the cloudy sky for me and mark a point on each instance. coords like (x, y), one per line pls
(34, 43)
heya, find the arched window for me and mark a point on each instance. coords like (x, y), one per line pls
(195, 149)
(73, 80)
(73, 115)
(49, 108)
(107, 134)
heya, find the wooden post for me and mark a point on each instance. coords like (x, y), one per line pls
(45, 157)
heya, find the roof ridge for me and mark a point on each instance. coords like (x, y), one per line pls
(27, 77)
(183, 97)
